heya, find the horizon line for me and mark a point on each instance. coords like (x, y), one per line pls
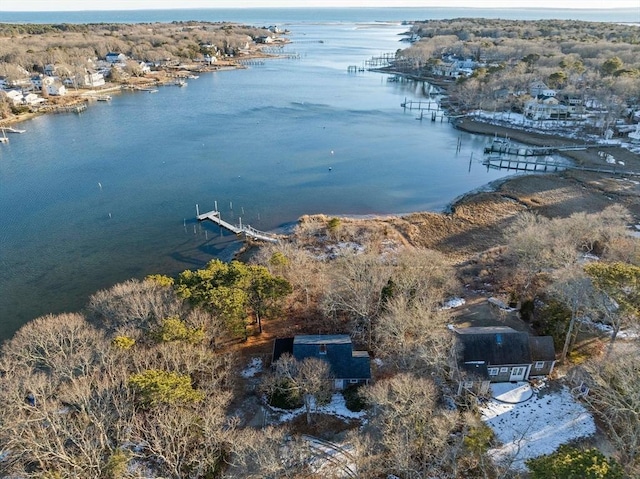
(323, 7)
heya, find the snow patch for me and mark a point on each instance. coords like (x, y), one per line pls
(500, 304)
(535, 427)
(253, 368)
(453, 303)
(337, 407)
(511, 393)
(631, 333)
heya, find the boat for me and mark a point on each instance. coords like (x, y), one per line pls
(180, 82)
(103, 98)
(3, 138)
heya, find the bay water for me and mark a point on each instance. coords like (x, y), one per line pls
(88, 200)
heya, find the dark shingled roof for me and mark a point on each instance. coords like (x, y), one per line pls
(494, 345)
(542, 348)
(282, 346)
(337, 351)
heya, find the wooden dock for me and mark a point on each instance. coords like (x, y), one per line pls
(504, 146)
(8, 129)
(79, 108)
(502, 163)
(430, 105)
(239, 230)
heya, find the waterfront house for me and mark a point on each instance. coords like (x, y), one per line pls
(501, 354)
(56, 89)
(14, 96)
(348, 367)
(93, 79)
(32, 99)
(41, 82)
(573, 102)
(545, 108)
(144, 68)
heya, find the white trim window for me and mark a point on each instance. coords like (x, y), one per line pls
(539, 365)
(493, 371)
(504, 370)
(354, 381)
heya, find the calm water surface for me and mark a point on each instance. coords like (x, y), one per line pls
(93, 199)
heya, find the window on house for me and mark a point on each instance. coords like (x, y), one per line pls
(467, 384)
(539, 364)
(323, 349)
(504, 370)
(492, 371)
(353, 381)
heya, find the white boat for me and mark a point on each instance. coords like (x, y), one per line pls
(103, 98)
(3, 138)
(180, 82)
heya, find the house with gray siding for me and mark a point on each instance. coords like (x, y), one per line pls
(501, 354)
(347, 366)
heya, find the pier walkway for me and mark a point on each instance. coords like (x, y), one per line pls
(501, 163)
(239, 229)
(499, 145)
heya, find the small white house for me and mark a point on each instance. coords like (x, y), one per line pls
(546, 109)
(41, 82)
(32, 99)
(144, 67)
(56, 89)
(93, 79)
(14, 96)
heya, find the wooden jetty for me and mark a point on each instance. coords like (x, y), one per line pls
(503, 163)
(239, 230)
(504, 146)
(8, 129)
(430, 105)
(71, 108)
(383, 60)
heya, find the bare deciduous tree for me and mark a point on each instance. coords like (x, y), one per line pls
(413, 431)
(614, 395)
(413, 336)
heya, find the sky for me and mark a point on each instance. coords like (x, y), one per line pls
(60, 5)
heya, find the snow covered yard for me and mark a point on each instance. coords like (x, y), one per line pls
(535, 426)
(337, 407)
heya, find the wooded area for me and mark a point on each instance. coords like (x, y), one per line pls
(143, 381)
(598, 63)
(147, 380)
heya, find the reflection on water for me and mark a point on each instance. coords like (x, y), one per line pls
(92, 199)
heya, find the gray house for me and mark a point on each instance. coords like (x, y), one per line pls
(347, 366)
(502, 354)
